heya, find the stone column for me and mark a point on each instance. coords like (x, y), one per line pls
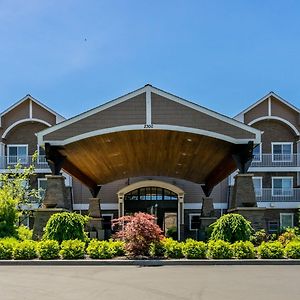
(243, 194)
(55, 195)
(95, 223)
(180, 217)
(2, 156)
(207, 216)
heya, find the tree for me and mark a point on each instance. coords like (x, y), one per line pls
(231, 228)
(16, 197)
(138, 232)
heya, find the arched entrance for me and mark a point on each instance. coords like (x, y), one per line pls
(162, 199)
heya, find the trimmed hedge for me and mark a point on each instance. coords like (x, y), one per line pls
(219, 250)
(173, 249)
(72, 249)
(243, 250)
(292, 250)
(48, 249)
(194, 250)
(25, 250)
(6, 249)
(270, 250)
(99, 249)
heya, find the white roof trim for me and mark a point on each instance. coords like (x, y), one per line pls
(9, 128)
(142, 127)
(158, 92)
(59, 117)
(265, 98)
(278, 119)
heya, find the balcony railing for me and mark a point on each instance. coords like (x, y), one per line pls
(276, 160)
(277, 195)
(26, 161)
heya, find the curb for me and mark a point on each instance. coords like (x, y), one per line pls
(141, 263)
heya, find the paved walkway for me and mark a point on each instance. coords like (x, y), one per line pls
(147, 283)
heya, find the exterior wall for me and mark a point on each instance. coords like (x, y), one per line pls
(108, 192)
(39, 112)
(258, 111)
(275, 131)
(128, 112)
(165, 111)
(25, 134)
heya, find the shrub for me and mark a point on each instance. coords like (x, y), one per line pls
(117, 248)
(66, 226)
(259, 236)
(219, 250)
(231, 228)
(138, 232)
(270, 250)
(6, 248)
(99, 249)
(48, 249)
(72, 249)
(243, 250)
(292, 250)
(24, 233)
(25, 250)
(288, 236)
(173, 249)
(194, 249)
(157, 249)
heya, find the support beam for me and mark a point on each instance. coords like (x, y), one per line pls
(242, 156)
(95, 190)
(54, 158)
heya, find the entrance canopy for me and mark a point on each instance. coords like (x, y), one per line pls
(149, 132)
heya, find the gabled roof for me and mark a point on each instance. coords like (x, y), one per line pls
(147, 88)
(59, 117)
(265, 98)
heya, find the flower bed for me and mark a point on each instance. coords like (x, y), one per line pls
(165, 249)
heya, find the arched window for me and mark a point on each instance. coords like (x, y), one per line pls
(151, 194)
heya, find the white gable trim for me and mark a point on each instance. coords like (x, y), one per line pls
(142, 127)
(148, 89)
(265, 98)
(8, 129)
(278, 119)
(59, 117)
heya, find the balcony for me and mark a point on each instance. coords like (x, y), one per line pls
(278, 195)
(276, 160)
(7, 162)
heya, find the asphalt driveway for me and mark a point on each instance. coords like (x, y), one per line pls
(147, 283)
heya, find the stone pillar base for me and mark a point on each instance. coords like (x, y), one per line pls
(243, 194)
(207, 209)
(41, 217)
(55, 195)
(94, 208)
(95, 228)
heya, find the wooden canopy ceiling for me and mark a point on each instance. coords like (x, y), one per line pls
(105, 158)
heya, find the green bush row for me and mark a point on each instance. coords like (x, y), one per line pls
(11, 248)
(220, 249)
(75, 249)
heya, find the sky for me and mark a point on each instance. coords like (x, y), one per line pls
(74, 55)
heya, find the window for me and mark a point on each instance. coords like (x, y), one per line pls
(194, 221)
(286, 220)
(17, 153)
(257, 153)
(257, 183)
(282, 186)
(272, 226)
(41, 155)
(42, 186)
(282, 151)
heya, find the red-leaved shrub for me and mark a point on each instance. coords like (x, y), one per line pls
(138, 232)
